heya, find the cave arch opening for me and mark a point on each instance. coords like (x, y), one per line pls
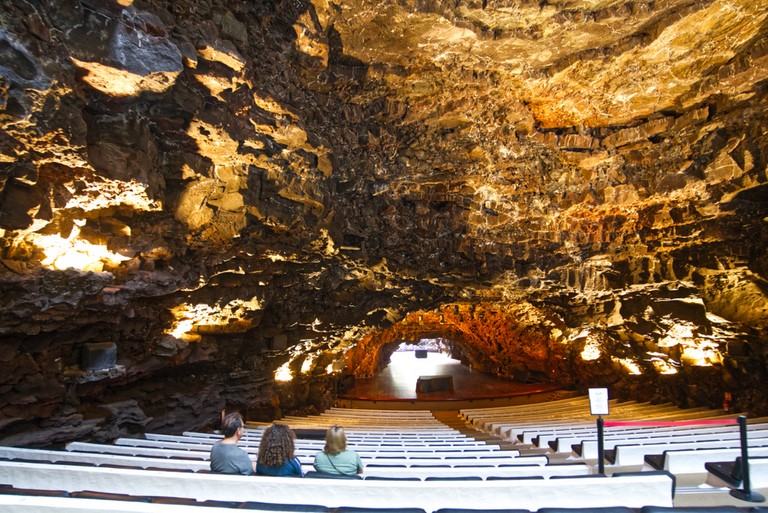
(402, 364)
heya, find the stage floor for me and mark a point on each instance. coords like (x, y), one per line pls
(397, 382)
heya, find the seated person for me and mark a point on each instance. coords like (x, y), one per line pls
(226, 456)
(276, 453)
(335, 458)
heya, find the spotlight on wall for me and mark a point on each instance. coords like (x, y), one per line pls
(284, 373)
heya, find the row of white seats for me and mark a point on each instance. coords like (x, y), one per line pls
(592, 491)
(561, 437)
(487, 457)
(371, 451)
(588, 447)
(581, 410)
(362, 429)
(680, 450)
(545, 435)
(529, 466)
(491, 422)
(630, 455)
(565, 441)
(364, 413)
(354, 435)
(464, 442)
(393, 417)
(372, 427)
(702, 438)
(36, 504)
(531, 408)
(692, 461)
(510, 431)
(574, 406)
(467, 445)
(542, 434)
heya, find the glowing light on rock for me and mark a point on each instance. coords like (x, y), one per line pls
(591, 351)
(629, 365)
(336, 366)
(663, 366)
(228, 318)
(120, 82)
(101, 193)
(306, 365)
(181, 328)
(701, 356)
(75, 253)
(675, 335)
(283, 373)
(695, 350)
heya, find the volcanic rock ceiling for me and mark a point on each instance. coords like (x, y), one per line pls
(238, 193)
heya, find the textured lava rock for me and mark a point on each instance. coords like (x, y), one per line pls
(226, 190)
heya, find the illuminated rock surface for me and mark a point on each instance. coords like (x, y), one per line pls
(572, 192)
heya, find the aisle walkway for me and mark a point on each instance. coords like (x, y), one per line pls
(397, 382)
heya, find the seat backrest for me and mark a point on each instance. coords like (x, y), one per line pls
(352, 509)
(392, 478)
(325, 475)
(610, 509)
(453, 478)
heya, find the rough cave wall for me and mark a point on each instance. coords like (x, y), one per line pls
(225, 189)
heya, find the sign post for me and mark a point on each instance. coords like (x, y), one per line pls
(598, 405)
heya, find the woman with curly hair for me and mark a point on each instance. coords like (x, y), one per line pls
(276, 453)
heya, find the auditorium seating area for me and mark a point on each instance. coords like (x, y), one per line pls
(525, 458)
(679, 441)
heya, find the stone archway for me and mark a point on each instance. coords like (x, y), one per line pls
(517, 341)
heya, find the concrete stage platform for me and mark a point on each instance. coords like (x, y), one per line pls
(396, 387)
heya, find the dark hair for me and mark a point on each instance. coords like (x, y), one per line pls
(276, 446)
(231, 423)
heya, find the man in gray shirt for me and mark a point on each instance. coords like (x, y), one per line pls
(226, 456)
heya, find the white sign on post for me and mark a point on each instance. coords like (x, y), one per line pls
(598, 401)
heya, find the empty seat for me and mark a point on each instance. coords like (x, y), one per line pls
(325, 475)
(651, 472)
(268, 506)
(511, 478)
(460, 510)
(393, 478)
(352, 509)
(614, 509)
(88, 494)
(183, 501)
(10, 490)
(453, 478)
(692, 509)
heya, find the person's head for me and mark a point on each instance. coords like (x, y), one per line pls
(276, 446)
(335, 440)
(231, 424)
